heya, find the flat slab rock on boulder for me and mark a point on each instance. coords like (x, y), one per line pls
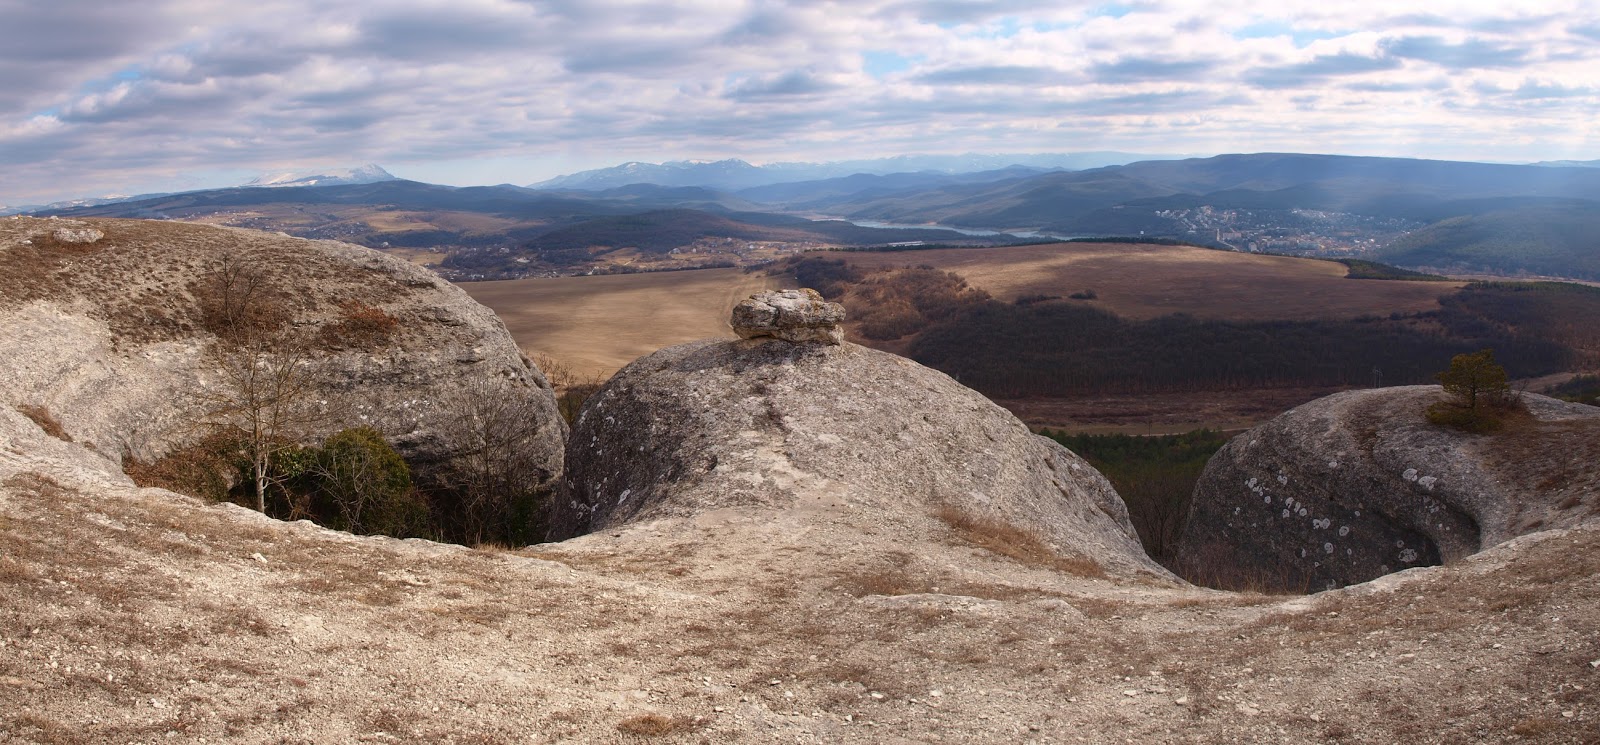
(791, 315)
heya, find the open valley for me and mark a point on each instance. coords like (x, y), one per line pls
(595, 325)
(1142, 281)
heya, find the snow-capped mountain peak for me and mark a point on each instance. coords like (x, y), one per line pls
(366, 174)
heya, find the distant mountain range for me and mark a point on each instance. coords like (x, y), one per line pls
(1569, 163)
(1439, 215)
(734, 174)
(367, 174)
(1377, 186)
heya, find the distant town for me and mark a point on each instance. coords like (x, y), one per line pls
(1300, 232)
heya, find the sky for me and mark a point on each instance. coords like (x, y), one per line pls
(105, 97)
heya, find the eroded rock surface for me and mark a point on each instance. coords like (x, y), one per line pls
(1359, 484)
(848, 433)
(791, 315)
(105, 331)
(139, 615)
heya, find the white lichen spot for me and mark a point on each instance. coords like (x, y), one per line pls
(1328, 547)
(1303, 512)
(1358, 513)
(1285, 513)
(1268, 499)
(1344, 530)
(1408, 556)
(1427, 482)
(624, 496)
(1282, 479)
(1252, 482)
(1333, 464)
(1410, 474)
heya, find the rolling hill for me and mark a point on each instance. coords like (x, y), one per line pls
(1479, 217)
(1396, 187)
(1496, 218)
(1545, 237)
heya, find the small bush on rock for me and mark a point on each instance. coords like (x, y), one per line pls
(365, 485)
(1479, 394)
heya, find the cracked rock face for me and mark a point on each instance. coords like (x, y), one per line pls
(791, 315)
(832, 432)
(1354, 486)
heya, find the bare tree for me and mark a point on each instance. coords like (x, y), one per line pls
(270, 375)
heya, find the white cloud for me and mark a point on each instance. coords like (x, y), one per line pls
(138, 96)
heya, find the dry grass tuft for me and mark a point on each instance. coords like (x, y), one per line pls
(1535, 726)
(889, 582)
(47, 422)
(654, 725)
(1012, 542)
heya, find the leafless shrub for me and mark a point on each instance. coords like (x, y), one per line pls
(498, 479)
(206, 469)
(572, 389)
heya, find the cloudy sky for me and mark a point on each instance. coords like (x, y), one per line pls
(122, 96)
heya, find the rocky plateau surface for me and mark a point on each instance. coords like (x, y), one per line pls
(777, 595)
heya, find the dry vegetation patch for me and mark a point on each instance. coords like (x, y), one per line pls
(1013, 542)
(42, 417)
(652, 724)
(1147, 281)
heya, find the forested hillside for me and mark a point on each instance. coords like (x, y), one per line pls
(1560, 238)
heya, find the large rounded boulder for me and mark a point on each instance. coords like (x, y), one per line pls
(863, 436)
(132, 337)
(1359, 484)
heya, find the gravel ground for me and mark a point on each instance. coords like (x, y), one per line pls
(137, 615)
